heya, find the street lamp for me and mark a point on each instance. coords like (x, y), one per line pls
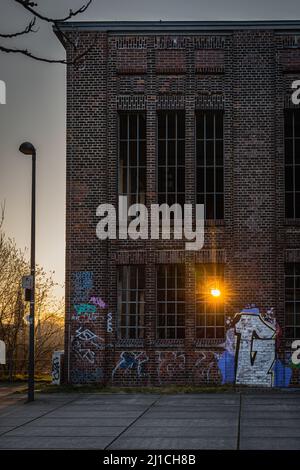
(215, 292)
(28, 149)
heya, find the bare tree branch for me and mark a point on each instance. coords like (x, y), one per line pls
(65, 36)
(28, 6)
(28, 29)
(27, 53)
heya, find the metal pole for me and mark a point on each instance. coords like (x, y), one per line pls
(32, 300)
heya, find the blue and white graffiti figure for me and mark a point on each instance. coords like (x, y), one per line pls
(132, 361)
(255, 349)
(249, 350)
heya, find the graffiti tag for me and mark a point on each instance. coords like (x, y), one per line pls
(85, 343)
(131, 361)
(109, 327)
(169, 363)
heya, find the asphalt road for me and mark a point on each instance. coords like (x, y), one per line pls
(124, 421)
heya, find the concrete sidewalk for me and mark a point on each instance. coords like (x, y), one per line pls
(140, 421)
(9, 397)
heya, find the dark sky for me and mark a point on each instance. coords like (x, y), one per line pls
(35, 108)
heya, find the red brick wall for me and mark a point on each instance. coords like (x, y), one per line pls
(242, 73)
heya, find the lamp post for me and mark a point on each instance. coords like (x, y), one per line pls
(28, 149)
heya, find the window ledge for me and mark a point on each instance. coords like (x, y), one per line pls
(169, 343)
(130, 343)
(205, 343)
(292, 222)
(214, 222)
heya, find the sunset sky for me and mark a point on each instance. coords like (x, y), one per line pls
(35, 108)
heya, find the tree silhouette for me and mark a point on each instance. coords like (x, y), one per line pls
(32, 8)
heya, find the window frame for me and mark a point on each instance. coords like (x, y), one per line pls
(293, 166)
(133, 197)
(177, 167)
(215, 193)
(296, 311)
(165, 303)
(137, 328)
(205, 302)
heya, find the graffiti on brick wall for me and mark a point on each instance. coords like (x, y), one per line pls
(132, 361)
(84, 312)
(82, 284)
(170, 363)
(80, 376)
(255, 349)
(206, 368)
(86, 307)
(55, 370)
(249, 356)
(109, 326)
(85, 344)
(98, 302)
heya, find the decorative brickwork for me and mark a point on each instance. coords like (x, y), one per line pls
(131, 61)
(209, 61)
(170, 61)
(290, 60)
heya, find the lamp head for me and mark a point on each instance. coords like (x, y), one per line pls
(27, 148)
(215, 292)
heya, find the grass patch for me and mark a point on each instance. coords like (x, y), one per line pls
(23, 378)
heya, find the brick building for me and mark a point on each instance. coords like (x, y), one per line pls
(195, 112)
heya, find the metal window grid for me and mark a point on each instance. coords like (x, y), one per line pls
(170, 302)
(131, 302)
(210, 168)
(209, 315)
(292, 300)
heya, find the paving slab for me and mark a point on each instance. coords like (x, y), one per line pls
(193, 400)
(197, 406)
(85, 406)
(270, 443)
(263, 414)
(22, 442)
(272, 407)
(189, 413)
(57, 422)
(68, 431)
(13, 422)
(94, 414)
(4, 429)
(173, 443)
(27, 414)
(182, 431)
(145, 422)
(265, 423)
(121, 399)
(271, 399)
(271, 431)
